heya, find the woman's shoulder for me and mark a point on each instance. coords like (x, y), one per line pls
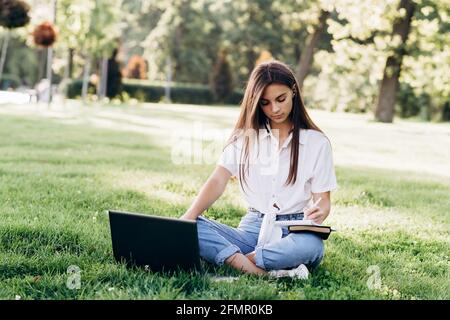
(234, 142)
(314, 138)
(314, 135)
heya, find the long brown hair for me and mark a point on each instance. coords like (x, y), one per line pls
(252, 117)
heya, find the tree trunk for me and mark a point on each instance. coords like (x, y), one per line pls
(98, 85)
(306, 59)
(50, 53)
(86, 71)
(250, 54)
(103, 78)
(298, 50)
(68, 69)
(49, 73)
(176, 54)
(4, 51)
(180, 32)
(390, 83)
(70, 63)
(251, 57)
(42, 63)
(168, 79)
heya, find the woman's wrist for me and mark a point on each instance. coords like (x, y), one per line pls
(189, 215)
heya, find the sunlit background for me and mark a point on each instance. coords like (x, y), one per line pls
(202, 51)
(131, 80)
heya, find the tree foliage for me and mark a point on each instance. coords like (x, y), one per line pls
(345, 65)
(348, 76)
(14, 13)
(91, 26)
(136, 68)
(222, 78)
(44, 34)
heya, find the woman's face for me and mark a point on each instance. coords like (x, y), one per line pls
(276, 102)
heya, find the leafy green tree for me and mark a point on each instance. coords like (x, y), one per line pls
(74, 18)
(306, 58)
(75, 37)
(348, 77)
(93, 27)
(222, 78)
(140, 18)
(390, 83)
(13, 14)
(346, 74)
(104, 31)
(186, 33)
(339, 47)
(248, 28)
(426, 67)
(23, 64)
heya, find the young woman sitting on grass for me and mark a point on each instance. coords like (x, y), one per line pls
(283, 161)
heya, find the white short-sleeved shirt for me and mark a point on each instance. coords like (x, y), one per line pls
(268, 171)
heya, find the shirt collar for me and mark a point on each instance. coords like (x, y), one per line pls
(267, 131)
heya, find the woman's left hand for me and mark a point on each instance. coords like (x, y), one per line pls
(316, 214)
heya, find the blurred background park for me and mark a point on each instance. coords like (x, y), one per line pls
(132, 79)
(384, 57)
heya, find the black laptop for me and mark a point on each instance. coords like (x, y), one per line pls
(153, 242)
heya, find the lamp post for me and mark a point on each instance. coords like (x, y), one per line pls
(50, 56)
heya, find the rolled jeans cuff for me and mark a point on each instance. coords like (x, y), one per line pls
(226, 253)
(259, 261)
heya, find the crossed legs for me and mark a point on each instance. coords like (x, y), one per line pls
(220, 243)
(245, 263)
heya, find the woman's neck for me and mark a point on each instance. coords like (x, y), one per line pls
(284, 127)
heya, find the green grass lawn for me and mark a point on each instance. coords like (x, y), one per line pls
(61, 169)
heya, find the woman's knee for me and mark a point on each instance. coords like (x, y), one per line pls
(296, 249)
(203, 226)
(201, 221)
(205, 238)
(310, 247)
(213, 247)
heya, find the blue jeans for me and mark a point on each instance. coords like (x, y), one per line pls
(218, 241)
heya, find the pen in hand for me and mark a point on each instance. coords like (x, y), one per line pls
(315, 204)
